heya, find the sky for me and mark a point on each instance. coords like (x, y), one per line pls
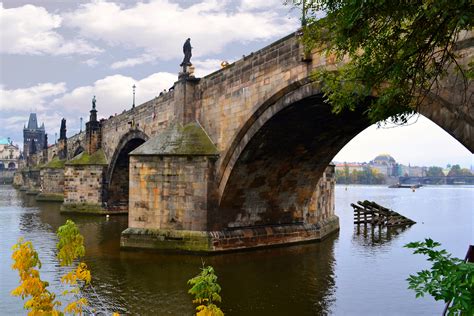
(56, 55)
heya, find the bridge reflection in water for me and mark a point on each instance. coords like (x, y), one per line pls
(148, 283)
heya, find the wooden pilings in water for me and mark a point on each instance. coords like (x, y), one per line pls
(368, 212)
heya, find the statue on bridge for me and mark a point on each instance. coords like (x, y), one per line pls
(187, 54)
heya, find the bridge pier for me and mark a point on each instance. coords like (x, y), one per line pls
(173, 198)
(143, 234)
(52, 181)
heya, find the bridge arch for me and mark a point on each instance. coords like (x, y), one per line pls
(117, 177)
(79, 149)
(271, 169)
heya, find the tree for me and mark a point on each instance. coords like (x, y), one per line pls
(398, 50)
(206, 292)
(434, 171)
(449, 279)
(26, 261)
(454, 171)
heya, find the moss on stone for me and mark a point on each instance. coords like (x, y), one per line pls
(97, 158)
(178, 140)
(56, 163)
(88, 208)
(166, 240)
(50, 197)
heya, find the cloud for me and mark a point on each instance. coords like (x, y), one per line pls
(130, 62)
(113, 93)
(160, 27)
(30, 30)
(52, 101)
(91, 62)
(250, 5)
(26, 99)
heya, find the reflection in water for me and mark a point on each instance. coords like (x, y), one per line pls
(360, 271)
(299, 278)
(376, 235)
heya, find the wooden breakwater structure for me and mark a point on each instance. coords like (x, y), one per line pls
(368, 212)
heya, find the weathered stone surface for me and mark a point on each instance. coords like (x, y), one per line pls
(87, 209)
(226, 240)
(84, 158)
(170, 192)
(50, 197)
(83, 185)
(52, 181)
(178, 140)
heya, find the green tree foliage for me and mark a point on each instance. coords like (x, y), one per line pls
(366, 176)
(26, 261)
(449, 279)
(398, 50)
(457, 171)
(205, 290)
(434, 171)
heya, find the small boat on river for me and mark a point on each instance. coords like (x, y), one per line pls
(403, 186)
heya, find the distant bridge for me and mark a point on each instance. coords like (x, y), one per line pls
(438, 180)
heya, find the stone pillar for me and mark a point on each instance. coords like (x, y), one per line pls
(184, 95)
(84, 184)
(171, 190)
(52, 181)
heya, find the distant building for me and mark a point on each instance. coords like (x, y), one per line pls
(33, 137)
(351, 166)
(9, 155)
(415, 171)
(385, 164)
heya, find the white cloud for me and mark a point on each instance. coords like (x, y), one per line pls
(130, 62)
(113, 93)
(249, 5)
(52, 102)
(160, 27)
(32, 98)
(30, 30)
(91, 62)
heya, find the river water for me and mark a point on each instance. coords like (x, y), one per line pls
(350, 273)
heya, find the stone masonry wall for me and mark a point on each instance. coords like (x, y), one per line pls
(322, 203)
(52, 181)
(169, 192)
(83, 184)
(151, 117)
(18, 179)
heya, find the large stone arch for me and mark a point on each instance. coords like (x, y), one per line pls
(272, 167)
(117, 177)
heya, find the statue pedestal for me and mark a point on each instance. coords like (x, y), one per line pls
(186, 72)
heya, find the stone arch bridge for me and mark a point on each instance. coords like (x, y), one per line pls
(237, 159)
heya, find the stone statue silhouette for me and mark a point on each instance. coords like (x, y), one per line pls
(187, 54)
(93, 103)
(62, 130)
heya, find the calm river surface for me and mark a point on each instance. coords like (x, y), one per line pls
(349, 273)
